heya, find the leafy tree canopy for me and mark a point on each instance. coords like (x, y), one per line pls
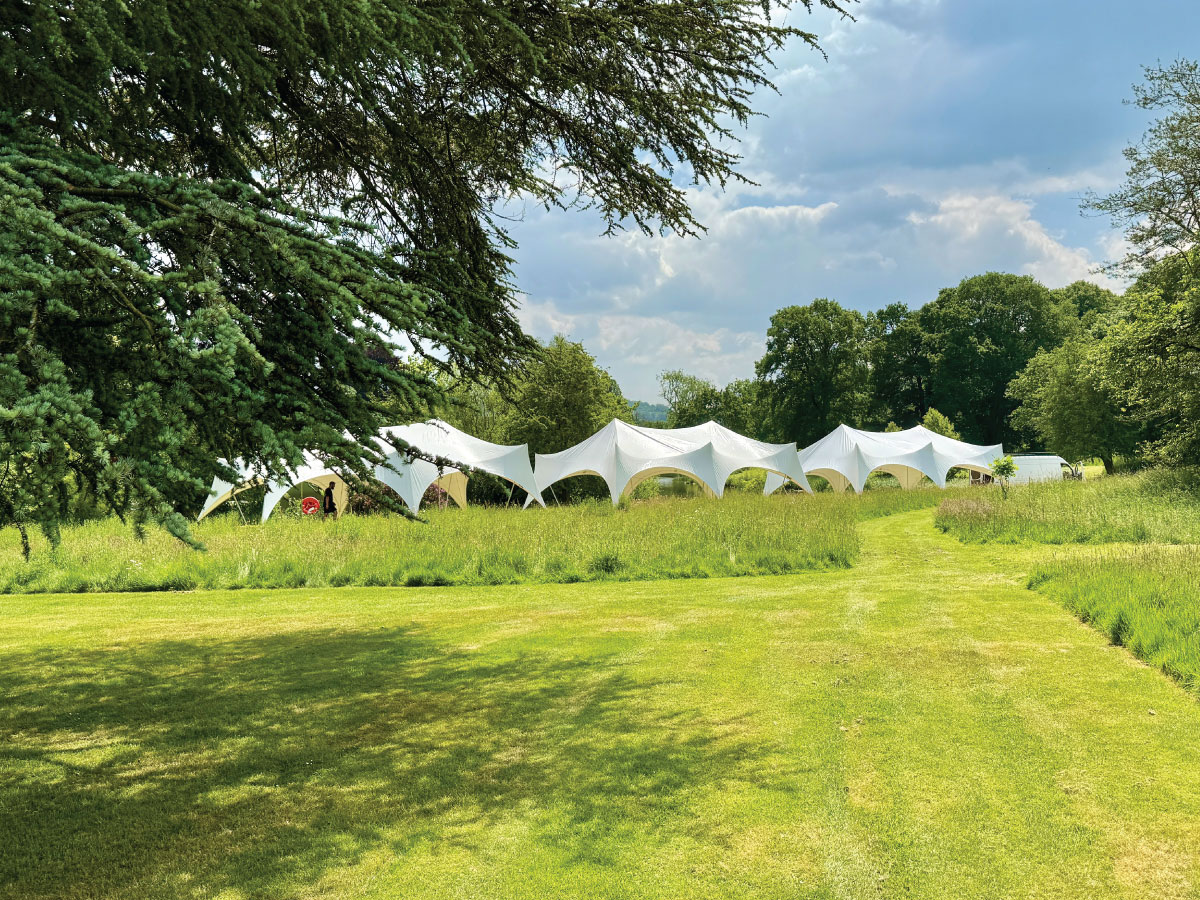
(690, 400)
(899, 365)
(211, 214)
(814, 373)
(1151, 352)
(694, 401)
(563, 397)
(1151, 360)
(978, 337)
(1086, 301)
(1157, 205)
(1064, 399)
(940, 424)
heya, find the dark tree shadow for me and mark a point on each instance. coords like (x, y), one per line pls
(195, 767)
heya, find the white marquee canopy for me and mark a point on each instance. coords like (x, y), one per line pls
(846, 456)
(437, 438)
(408, 478)
(625, 455)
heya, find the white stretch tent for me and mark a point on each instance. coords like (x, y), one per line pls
(625, 455)
(411, 478)
(846, 456)
(1038, 468)
(311, 471)
(436, 438)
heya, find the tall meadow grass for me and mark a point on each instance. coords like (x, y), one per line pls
(1155, 506)
(1144, 598)
(677, 538)
(667, 538)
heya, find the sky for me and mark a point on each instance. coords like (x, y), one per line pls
(940, 139)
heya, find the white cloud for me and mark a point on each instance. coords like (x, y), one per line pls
(940, 140)
(964, 223)
(637, 348)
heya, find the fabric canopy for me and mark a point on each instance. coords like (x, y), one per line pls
(437, 438)
(311, 471)
(846, 456)
(408, 478)
(625, 455)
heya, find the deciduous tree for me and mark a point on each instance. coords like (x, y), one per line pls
(1064, 399)
(814, 374)
(1159, 203)
(978, 336)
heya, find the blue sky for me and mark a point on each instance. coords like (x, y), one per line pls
(941, 139)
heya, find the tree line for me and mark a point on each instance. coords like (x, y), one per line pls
(974, 361)
(1079, 371)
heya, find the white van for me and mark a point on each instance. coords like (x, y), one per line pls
(1041, 467)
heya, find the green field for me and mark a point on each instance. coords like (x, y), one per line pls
(1141, 586)
(1157, 506)
(740, 535)
(919, 725)
(1144, 598)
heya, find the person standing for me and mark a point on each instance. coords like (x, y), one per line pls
(328, 507)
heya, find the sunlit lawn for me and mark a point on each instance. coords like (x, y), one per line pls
(919, 726)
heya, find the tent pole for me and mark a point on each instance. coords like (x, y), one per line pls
(238, 504)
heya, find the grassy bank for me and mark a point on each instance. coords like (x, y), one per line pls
(1144, 598)
(677, 538)
(1156, 506)
(919, 726)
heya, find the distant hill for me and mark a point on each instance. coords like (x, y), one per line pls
(649, 412)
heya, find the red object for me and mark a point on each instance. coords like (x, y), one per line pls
(309, 505)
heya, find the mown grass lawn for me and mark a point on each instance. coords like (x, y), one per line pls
(919, 726)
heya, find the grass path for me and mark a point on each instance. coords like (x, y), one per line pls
(919, 726)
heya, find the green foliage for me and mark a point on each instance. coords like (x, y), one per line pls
(1063, 399)
(899, 364)
(557, 399)
(1003, 469)
(1151, 352)
(826, 365)
(1156, 205)
(939, 424)
(1155, 505)
(978, 337)
(562, 398)
(814, 373)
(174, 286)
(1150, 361)
(690, 400)
(1086, 301)
(694, 401)
(149, 325)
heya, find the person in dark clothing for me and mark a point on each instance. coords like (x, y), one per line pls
(328, 507)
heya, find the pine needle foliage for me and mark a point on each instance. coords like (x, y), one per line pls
(221, 223)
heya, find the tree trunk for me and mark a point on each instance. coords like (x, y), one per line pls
(1107, 459)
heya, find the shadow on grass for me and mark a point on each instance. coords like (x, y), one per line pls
(181, 768)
